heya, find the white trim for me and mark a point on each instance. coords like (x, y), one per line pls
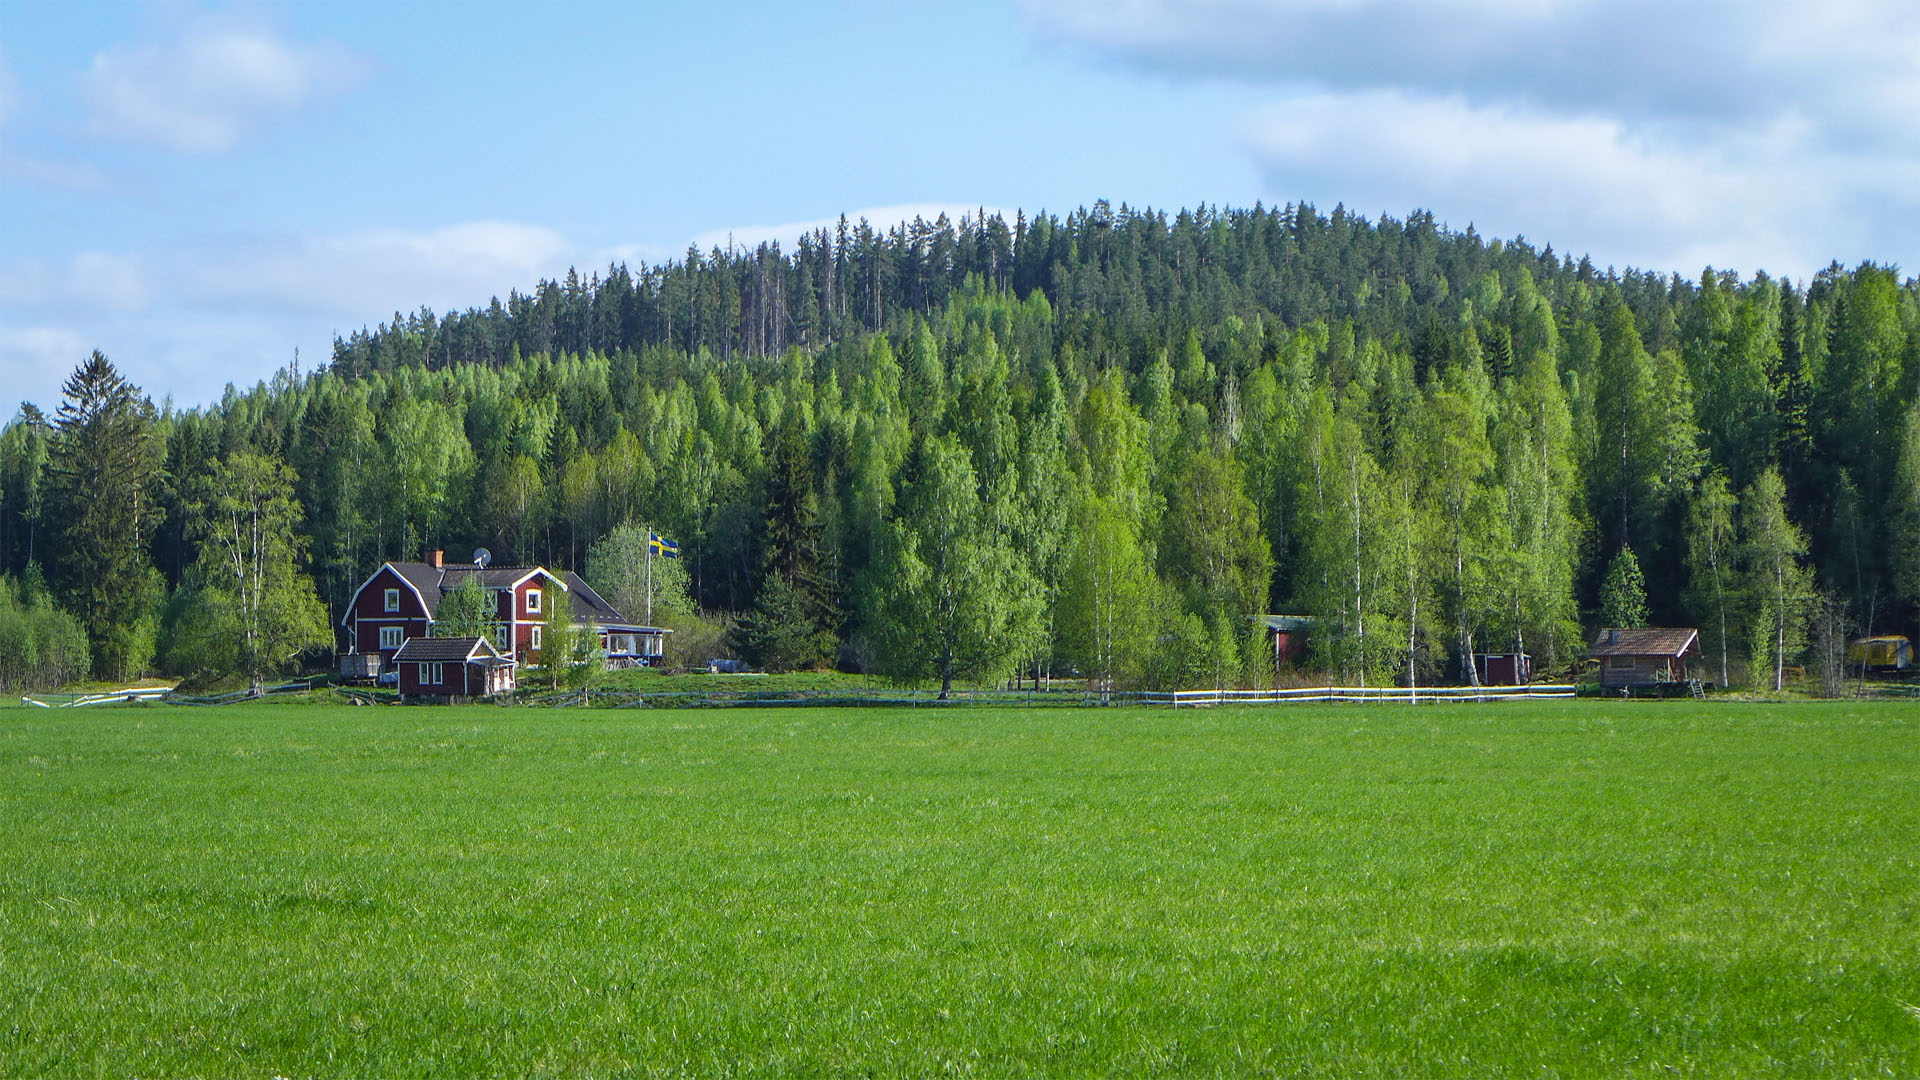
(353, 604)
(533, 639)
(541, 571)
(536, 604)
(399, 632)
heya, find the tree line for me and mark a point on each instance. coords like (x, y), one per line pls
(1104, 442)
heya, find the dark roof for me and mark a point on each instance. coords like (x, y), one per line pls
(588, 605)
(1290, 623)
(423, 578)
(440, 649)
(1646, 641)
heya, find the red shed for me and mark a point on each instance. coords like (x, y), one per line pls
(1504, 669)
(1287, 634)
(453, 668)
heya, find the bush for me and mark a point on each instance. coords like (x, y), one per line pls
(41, 646)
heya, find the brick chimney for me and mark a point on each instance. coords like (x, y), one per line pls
(437, 558)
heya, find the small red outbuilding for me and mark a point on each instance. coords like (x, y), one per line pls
(452, 668)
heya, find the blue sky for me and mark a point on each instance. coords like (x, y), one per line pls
(198, 190)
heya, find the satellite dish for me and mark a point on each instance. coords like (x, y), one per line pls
(481, 557)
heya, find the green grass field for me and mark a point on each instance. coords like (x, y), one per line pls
(1564, 889)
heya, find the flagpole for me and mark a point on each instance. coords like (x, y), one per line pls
(652, 541)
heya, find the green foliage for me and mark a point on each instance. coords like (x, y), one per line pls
(1433, 442)
(779, 634)
(1779, 589)
(101, 462)
(1623, 595)
(1711, 556)
(618, 569)
(567, 648)
(257, 610)
(949, 598)
(41, 646)
(1106, 617)
(469, 610)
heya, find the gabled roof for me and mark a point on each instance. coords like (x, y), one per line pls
(1646, 641)
(589, 606)
(443, 649)
(429, 594)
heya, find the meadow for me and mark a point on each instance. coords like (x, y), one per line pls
(1558, 889)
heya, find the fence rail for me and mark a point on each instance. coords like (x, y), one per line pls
(162, 694)
(1324, 694)
(706, 699)
(858, 698)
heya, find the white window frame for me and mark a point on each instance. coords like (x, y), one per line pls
(533, 639)
(533, 601)
(393, 600)
(435, 674)
(392, 637)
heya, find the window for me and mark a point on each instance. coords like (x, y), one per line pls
(390, 637)
(393, 599)
(534, 640)
(1621, 663)
(533, 601)
(434, 674)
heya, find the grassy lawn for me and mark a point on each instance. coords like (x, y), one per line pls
(1562, 889)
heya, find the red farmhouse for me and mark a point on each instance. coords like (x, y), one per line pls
(400, 600)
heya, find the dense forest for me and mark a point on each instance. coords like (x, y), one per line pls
(1100, 442)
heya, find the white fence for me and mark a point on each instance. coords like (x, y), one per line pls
(1384, 694)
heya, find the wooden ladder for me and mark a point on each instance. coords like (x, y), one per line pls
(1697, 688)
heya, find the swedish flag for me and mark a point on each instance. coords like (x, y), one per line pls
(663, 546)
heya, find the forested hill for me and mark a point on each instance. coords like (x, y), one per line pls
(1104, 441)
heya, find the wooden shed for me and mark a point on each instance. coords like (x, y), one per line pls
(1646, 655)
(1504, 669)
(452, 668)
(1287, 634)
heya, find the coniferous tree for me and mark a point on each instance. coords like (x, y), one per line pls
(1623, 595)
(101, 464)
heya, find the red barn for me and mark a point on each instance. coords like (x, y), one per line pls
(453, 668)
(402, 599)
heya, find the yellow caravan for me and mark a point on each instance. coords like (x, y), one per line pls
(1887, 653)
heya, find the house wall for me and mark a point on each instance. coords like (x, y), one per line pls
(1646, 669)
(459, 679)
(525, 621)
(369, 615)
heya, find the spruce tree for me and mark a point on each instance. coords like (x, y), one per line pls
(101, 463)
(1623, 595)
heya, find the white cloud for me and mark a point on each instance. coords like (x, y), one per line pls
(1507, 170)
(35, 359)
(1748, 133)
(1724, 59)
(880, 217)
(89, 281)
(211, 88)
(365, 276)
